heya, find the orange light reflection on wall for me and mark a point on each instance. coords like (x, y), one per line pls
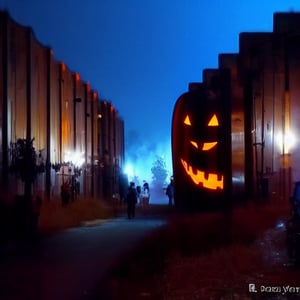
(95, 95)
(65, 132)
(63, 67)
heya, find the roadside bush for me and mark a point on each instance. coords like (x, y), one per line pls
(54, 216)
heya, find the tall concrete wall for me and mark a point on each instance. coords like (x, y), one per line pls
(44, 99)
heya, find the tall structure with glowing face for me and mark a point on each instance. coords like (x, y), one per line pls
(197, 149)
(204, 178)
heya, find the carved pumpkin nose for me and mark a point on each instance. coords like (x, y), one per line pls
(205, 146)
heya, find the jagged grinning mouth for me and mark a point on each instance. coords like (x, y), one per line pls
(207, 180)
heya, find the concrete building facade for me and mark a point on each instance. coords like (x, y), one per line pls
(42, 99)
(263, 95)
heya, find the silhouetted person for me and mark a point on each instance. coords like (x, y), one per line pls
(139, 194)
(145, 194)
(131, 200)
(170, 192)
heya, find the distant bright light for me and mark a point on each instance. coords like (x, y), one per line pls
(76, 158)
(129, 171)
(140, 158)
(288, 142)
(280, 225)
(138, 169)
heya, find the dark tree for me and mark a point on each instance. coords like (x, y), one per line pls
(159, 172)
(24, 165)
(24, 160)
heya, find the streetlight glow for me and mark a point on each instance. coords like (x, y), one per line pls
(76, 158)
(286, 142)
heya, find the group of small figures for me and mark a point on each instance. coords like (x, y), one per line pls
(137, 195)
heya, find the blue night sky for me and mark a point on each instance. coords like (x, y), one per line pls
(141, 54)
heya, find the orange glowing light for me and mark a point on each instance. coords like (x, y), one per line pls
(65, 128)
(211, 181)
(209, 146)
(213, 121)
(194, 144)
(187, 121)
(63, 67)
(88, 87)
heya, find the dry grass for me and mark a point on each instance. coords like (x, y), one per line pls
(211, 276)
(54, 216)
(225, 272)
(205, 256)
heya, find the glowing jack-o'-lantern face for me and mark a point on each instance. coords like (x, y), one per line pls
(208, 180)
(201, 148)
(198, 150)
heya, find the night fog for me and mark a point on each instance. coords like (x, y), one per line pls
(141, 155)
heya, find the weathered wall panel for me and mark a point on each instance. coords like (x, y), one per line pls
(39, 96)
(67, 111)
(17, 80)
(42, 99)
(55, 135)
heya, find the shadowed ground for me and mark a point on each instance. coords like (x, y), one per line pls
(158, 255)
(70, 264)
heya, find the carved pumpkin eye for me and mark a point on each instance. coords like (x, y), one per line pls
(213, 121)
(187, 121)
